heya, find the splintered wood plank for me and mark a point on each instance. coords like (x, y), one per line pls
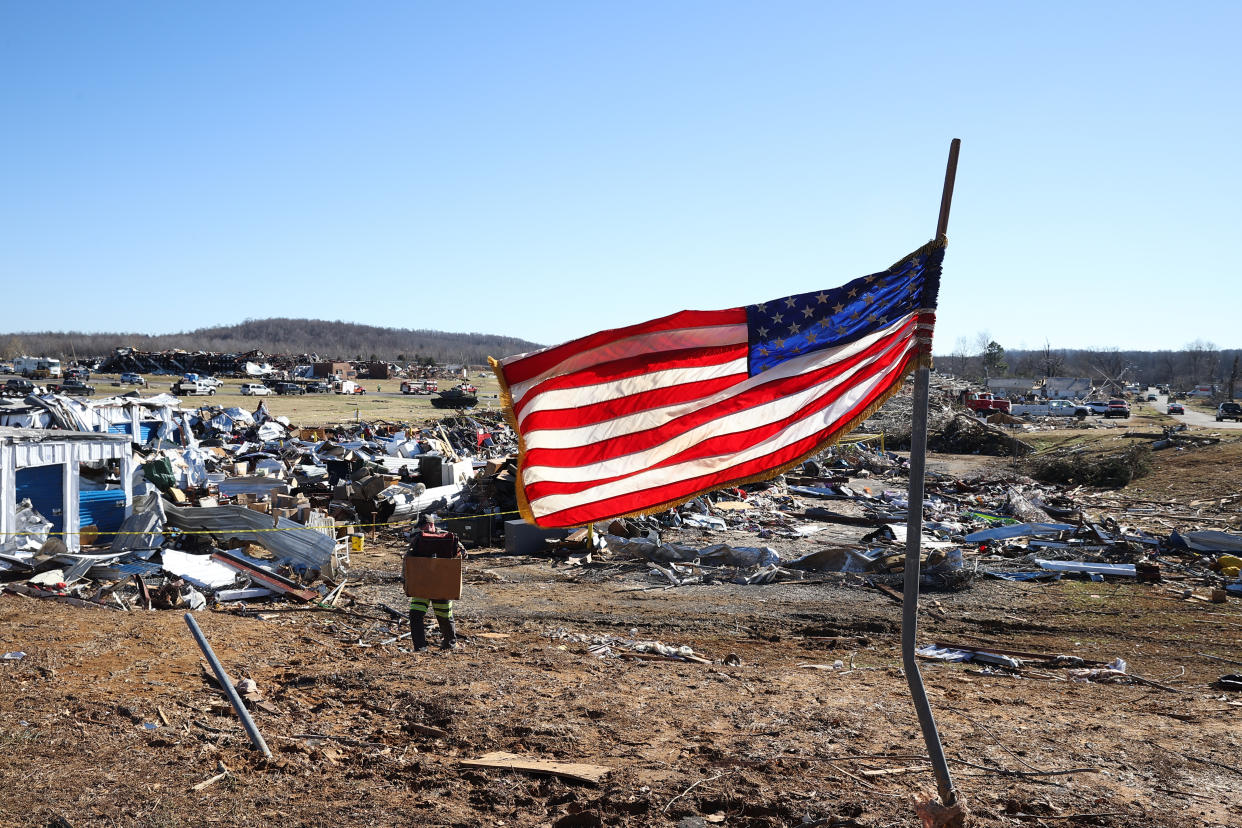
(511, 761)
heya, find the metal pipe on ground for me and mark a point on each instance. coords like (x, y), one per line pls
(252, 730)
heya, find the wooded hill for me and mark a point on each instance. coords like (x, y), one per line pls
(328, 340)
(1197, 362)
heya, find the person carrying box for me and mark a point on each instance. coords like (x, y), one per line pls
(428, 542)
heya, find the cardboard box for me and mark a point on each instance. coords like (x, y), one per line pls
(436, 579)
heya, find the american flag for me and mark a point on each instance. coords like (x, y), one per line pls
(639, 419)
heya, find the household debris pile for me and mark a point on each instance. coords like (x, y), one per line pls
(220, 504)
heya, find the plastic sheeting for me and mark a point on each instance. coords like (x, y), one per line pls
(1019, 530)
(721, 554)
(1208, 540)
(30, 530)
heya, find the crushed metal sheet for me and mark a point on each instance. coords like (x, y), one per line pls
(292, 543)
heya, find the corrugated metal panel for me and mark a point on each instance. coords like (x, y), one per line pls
(43, 485)
(148, 429)
(103, 508)
(121, 428)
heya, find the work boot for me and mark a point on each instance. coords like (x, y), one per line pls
(448, 633)
(418, 631)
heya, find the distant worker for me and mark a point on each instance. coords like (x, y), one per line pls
(428, 542)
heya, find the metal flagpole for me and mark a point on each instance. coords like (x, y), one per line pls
(914, 531)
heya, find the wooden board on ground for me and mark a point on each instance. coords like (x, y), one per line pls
(511, 761)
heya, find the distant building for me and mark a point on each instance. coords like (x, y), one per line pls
(1067, 388)
(1008, 386)
(323, 370)
(374, 370)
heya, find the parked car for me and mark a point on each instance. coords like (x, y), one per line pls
(1117, 408)
(254, 389)
(283, 388)
(317, 388)
(1151, 397)
(132, 379)
(76, 386)
(1096, 406)
(1229, 411)
(1176, 408)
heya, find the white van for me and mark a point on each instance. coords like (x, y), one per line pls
(254, 389)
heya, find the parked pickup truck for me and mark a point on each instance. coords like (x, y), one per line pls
(76, 386)
(1229, 411)
(1049, 408)
(1117, 408)
(185, 387)
(984, 401)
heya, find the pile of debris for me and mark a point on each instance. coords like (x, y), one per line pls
(178, 507)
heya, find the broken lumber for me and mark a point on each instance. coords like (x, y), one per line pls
(499, 760)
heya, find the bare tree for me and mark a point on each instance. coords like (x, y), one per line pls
(1168, 364)
(1200, 355)
(1052, 361)
(961, 355)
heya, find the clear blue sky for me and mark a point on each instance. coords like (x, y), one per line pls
(543, 170)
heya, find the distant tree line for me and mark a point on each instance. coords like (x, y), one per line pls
(1197, 362)
(329, 340)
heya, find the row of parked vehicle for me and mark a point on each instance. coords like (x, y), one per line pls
(189, 385)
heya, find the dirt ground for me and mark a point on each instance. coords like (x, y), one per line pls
(109, 719)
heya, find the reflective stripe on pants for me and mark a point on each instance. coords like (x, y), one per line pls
(443, 609)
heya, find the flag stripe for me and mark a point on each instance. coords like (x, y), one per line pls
(525, 368)
(661, 342)
(791, 377)
(720, 433)
(575, 419)
(647, 492)
(625, 377)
